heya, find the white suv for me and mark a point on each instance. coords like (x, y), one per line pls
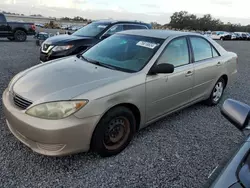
(221, 35)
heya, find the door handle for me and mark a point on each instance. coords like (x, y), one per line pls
(218, 64)
(189, 73)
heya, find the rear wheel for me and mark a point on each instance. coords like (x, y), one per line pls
(20, 36)
(221, 38)
(114, 132)
(217, 93)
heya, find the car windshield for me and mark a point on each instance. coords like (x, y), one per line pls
(91, 30)
(127, 53)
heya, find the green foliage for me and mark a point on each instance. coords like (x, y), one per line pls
(77, 18)
(183, 20)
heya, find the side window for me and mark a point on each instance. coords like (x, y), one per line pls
(130, 27)
(202, 48)
(114, 29)
(215, 53)
(2, 18)
(176, 53)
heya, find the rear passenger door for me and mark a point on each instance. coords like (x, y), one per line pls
(207, 66)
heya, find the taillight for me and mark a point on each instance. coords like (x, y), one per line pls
(33, 27)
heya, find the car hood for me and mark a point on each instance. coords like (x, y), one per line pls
(63, 80)
(60, 39)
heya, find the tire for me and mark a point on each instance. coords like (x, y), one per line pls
(11, 38)
(114, 132)
(20, 36)
(214, 99)
(221, 38)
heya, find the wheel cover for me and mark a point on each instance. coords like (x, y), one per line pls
(117, 133)
(20, 36)
(218, 91)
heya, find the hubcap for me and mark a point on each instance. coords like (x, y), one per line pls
(21, 36)
(116, 133)
(218, 90)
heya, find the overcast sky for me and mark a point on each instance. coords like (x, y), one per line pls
(146, 10)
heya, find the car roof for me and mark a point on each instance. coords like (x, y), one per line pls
(119, 21)
(154, 33)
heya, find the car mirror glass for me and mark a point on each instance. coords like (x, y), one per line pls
(163, 68)
(237, 113)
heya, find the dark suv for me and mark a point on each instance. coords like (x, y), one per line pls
(66, 45)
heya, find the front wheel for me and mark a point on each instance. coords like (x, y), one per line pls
(221, 38)
(217, 93)
(20, 36)
(114, 132)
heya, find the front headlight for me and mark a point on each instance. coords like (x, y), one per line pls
(56, 110)
(61, 48)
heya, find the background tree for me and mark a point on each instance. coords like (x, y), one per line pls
(184, 21)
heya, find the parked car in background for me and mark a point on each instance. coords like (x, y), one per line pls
(207, 33)
(66, 27)
(39, 25)
(234, 172)
(243, 35)
(238, 36)
(233, 36)
(248, 36)
(221, 35)
(75, 28)
(41, 37)
(84, 38)
(17, 31)
(98, 99)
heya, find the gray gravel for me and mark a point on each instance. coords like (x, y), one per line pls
(178, 151)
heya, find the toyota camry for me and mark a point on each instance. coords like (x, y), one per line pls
(98, 99)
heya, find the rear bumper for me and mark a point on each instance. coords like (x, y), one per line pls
(49, 137)
(31, 32)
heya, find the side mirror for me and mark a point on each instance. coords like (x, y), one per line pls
(236, 112)
(163, 68)
(105, 36)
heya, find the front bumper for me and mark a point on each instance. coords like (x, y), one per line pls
(46, 57)
(49, 137)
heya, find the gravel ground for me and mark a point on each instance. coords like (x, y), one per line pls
(178, 151)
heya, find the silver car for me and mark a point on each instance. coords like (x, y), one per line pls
(99, 99)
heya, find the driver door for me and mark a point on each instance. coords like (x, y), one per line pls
(167, 92)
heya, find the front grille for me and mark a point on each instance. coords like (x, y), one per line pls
(51, 147)
(21, 102)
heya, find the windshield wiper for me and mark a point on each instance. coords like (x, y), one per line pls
(99, 63)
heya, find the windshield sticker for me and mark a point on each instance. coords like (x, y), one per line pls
(102, 26)
(147, 44)
(123, 42)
